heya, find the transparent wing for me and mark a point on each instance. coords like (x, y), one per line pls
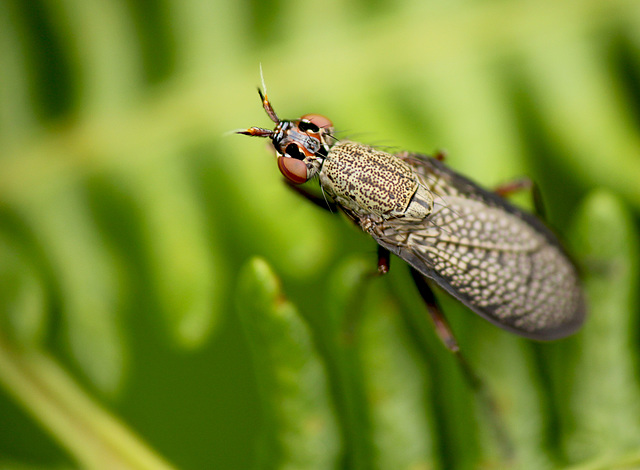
(501, 262)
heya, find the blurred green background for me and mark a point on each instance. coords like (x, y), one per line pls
(166, 303)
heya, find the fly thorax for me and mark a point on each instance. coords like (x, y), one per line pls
(368, 181)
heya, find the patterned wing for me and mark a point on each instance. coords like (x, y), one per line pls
(501, 262)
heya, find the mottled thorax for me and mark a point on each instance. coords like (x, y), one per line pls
(367, 180)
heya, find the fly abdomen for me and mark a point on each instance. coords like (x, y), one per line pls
(498, 260)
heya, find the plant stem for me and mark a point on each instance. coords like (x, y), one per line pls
(92, 436)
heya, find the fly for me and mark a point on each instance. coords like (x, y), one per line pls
(498, 260)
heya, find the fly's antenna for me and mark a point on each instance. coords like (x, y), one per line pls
(265, 101)
(264, 85)
(260, 131)
(255, 132)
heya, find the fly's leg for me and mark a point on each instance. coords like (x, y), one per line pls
(384, 256)
(384, 260)
(521, 184)
(445, 333)
(352, 320)
(443, 330)
(321, 202)
(440, 155)
(353, 316)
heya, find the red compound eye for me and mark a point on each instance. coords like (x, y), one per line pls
(318, 120)
(292, 169)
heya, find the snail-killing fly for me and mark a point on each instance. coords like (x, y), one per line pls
(500, 261)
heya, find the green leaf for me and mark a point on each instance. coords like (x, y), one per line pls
(140, 306)
(185, 266)
(299, 428)
(604, 397)
(89, 284)
(396, 386)
(23, 313)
